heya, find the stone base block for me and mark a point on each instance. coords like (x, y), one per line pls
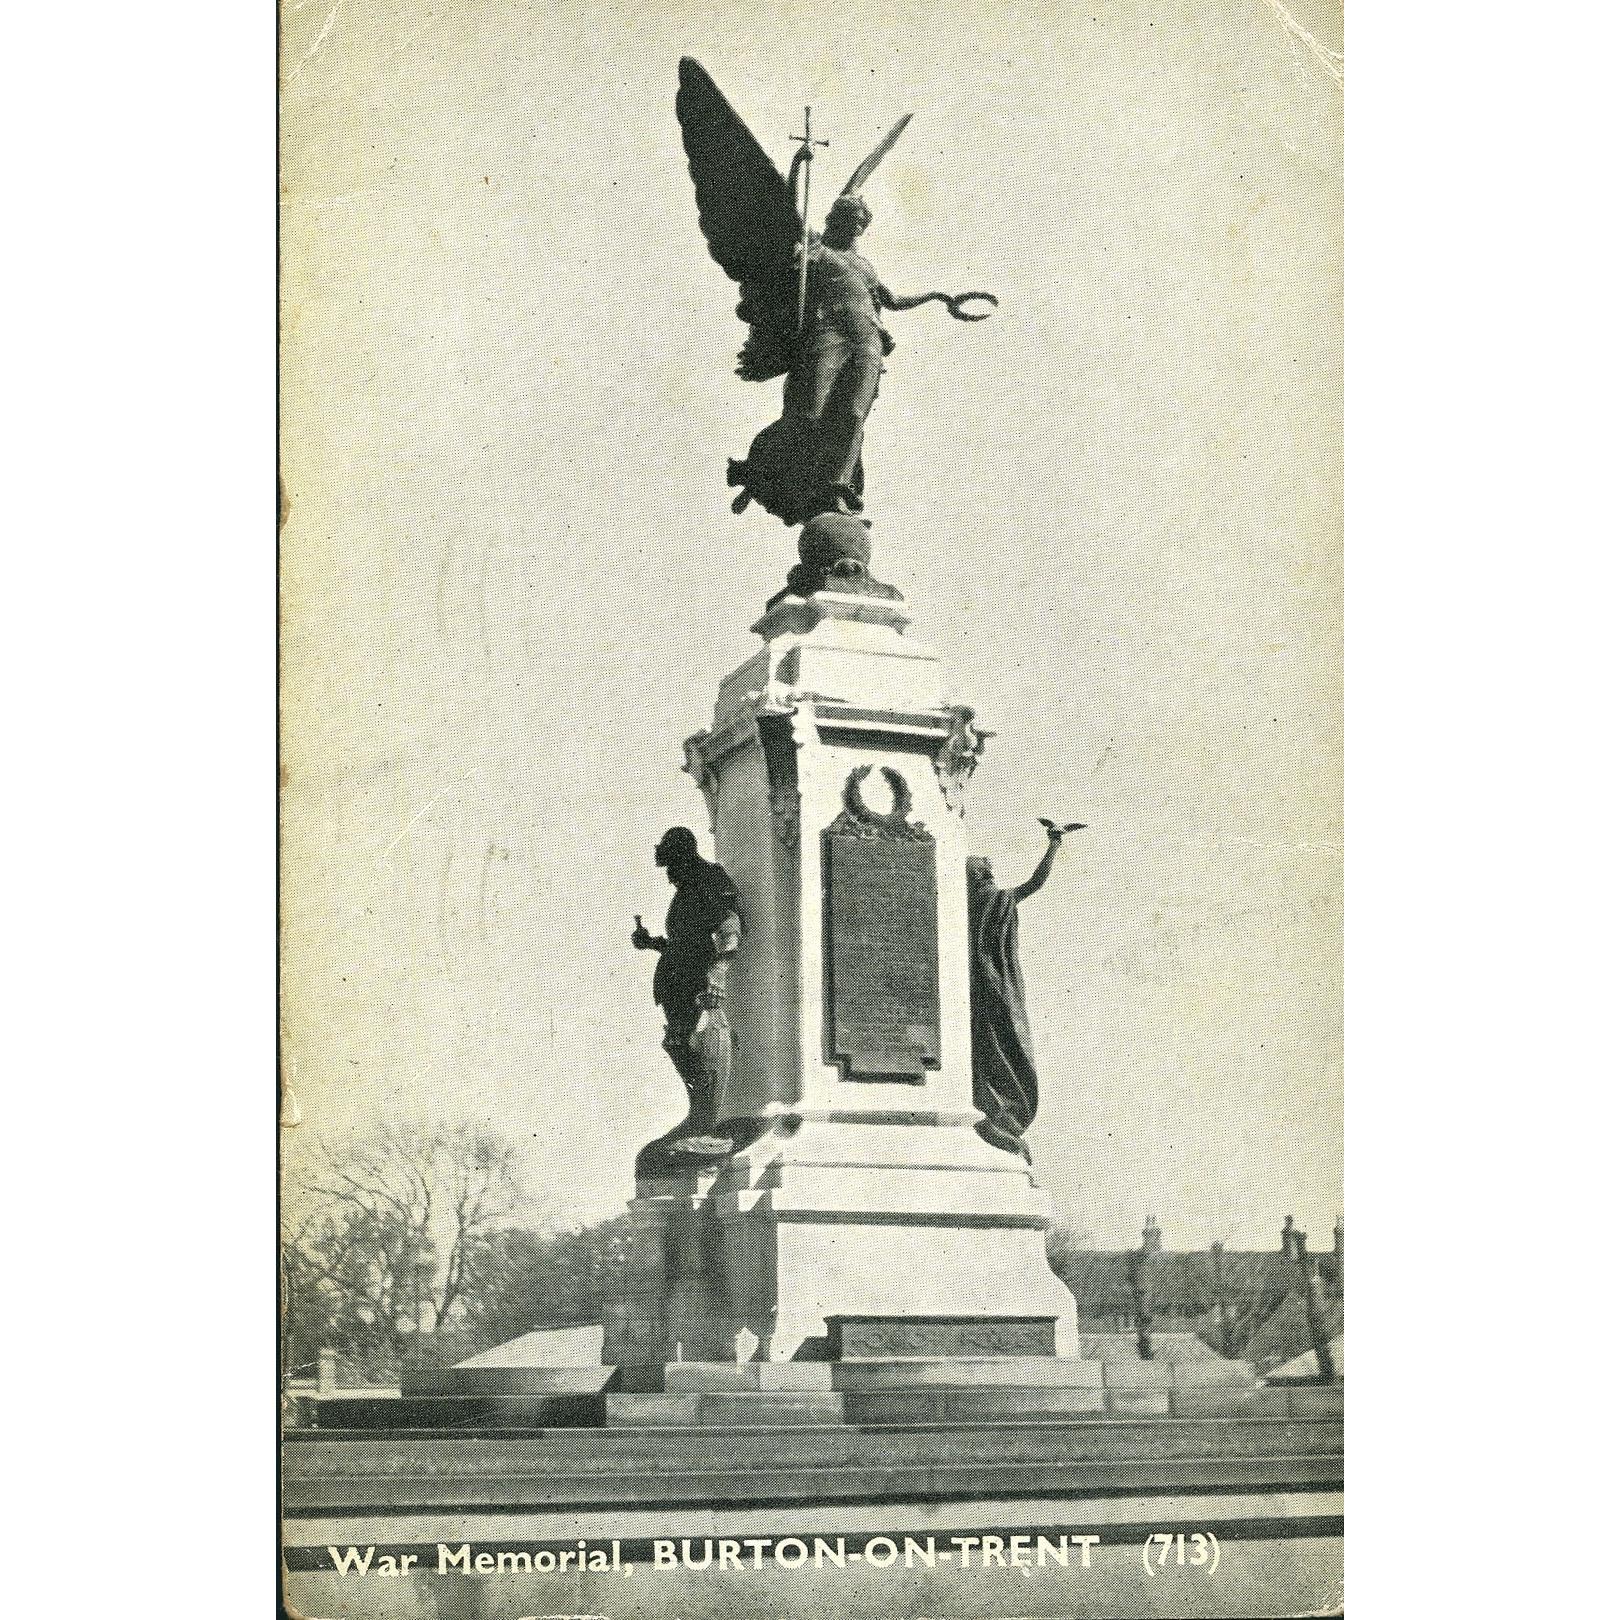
(640, 1378)
(508, 1381)
(1213, 1375)
(461, 1412)
(1136, 1375)
(817, 1267)
(1316, 1400)
(968, 1372)
(951, 1373)
(720, 1377)
(887, 1338)
(939, 1389)
(1139, 1402)
(1179, 1375)
(1297, 1401)
(954, 1406)
(752, 1409)
(1209, 1403)
(827, 1224)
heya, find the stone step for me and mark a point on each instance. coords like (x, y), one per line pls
(988, 1405)
(873, 1405)
(721, 1377)
(950, 1372)
(737, 1409)
(1315, 1400)
(460, 1412)
(311, 1495)
(956, 1372)
(965, 1372)
(476, 1381)
(1211, 1374)
(1208, 1403)
(626, 1451)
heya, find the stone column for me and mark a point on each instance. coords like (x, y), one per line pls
(834, 772)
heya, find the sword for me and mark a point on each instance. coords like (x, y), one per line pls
(802, 159)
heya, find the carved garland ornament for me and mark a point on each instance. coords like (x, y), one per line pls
(859, 820)
(958, 757)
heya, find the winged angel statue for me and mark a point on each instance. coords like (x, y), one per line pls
(812, 304)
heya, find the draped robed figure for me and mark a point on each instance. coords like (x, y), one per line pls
(1005, 1088)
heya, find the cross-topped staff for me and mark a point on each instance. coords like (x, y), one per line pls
(803, 159)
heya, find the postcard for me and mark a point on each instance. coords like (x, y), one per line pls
(810, 809)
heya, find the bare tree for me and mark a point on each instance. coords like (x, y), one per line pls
(388, 1235)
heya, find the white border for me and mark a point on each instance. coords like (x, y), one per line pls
(1481, 431)
(139, 656)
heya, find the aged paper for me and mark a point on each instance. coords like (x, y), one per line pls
(511, 585)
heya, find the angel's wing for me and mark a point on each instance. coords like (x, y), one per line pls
(748, 217)
(853, 185)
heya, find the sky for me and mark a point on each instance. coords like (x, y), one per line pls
(511, 581)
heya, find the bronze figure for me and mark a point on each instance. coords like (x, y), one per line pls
(704, 929)
(1004, 1083)
(812, 304)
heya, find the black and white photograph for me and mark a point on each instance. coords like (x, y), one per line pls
(810, 869)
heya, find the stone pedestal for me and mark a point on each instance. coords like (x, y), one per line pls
(834, 772)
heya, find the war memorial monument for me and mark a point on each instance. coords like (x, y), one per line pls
(841, 1375)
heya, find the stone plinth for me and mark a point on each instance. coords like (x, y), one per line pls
(928, 1338)
(834, 771)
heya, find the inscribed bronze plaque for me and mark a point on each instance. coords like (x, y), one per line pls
(882, 937)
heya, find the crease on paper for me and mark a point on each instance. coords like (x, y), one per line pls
(320, 40)
(1331, 62)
